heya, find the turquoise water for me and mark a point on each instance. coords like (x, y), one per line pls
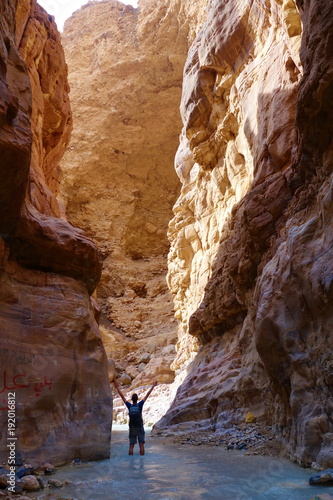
(180, 472)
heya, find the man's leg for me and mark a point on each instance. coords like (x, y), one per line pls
(141, 439)
(132, 441)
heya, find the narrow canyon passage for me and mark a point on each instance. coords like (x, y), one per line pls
(166, 213)
(174, 472)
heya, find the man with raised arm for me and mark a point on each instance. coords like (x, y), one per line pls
(136, 429)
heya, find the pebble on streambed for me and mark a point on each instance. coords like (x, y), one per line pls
(255, 439)
(29, 479)
(324, 477)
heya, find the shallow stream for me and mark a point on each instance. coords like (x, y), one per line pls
(182, 472)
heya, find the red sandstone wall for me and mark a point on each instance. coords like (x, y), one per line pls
(51, 352)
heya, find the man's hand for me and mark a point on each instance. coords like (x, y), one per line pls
(115, 383)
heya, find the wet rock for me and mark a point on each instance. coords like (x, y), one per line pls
(42, 482)
(25, 471)
(55, 483)
(325, 477)
(30, 483)
(18, 487)
(48, 468)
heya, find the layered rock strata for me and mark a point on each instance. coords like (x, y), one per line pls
(250, 259)
(119, 183)
(53, 364)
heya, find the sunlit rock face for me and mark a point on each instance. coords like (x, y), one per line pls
(250, 264)
(119, 182)
(52, 357)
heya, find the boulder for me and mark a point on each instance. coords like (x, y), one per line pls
(25, 471)
(125, 379)
(145, 357)
(42, 482)
(132, 371)
(141, 367)
(157, 369)
(55, 483)
(322, 478)
(48, 468)
(30, 483)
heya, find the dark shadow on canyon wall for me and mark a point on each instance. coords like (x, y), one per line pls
(266, 312)
(266, 308)
(224, 323)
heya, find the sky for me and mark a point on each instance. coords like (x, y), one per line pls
(62, 9)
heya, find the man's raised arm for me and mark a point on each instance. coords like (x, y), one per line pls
(115, 383)
(149, 392)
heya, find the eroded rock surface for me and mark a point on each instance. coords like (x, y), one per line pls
(250, 259)
(53, 364)
(119, 183)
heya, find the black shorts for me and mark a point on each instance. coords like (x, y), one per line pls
(136, 434)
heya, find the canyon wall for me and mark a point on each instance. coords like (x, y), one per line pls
(53, 363)
(119, 182)
(250, 265)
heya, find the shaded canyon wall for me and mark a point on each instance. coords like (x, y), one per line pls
(52, 356)
(250, 264)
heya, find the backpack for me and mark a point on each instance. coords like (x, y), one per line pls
(135, 418)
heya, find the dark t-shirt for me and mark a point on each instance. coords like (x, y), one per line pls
(140, 405)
